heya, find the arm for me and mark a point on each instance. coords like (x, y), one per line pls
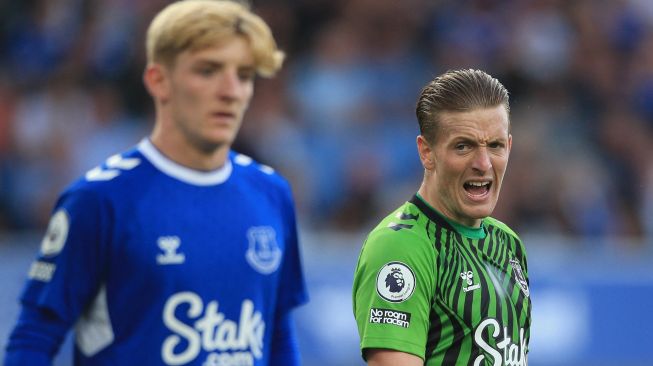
(60, 282)
(35, 339)
(387, 357)
(284, 350)
(402, 325)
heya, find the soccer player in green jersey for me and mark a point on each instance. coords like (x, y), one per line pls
(438, 281)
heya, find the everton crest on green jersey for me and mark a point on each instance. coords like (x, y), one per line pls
(451, 295)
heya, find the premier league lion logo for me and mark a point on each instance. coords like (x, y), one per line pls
(394, 281)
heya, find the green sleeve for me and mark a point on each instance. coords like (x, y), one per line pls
(394, 318)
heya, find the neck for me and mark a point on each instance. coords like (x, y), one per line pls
(430, 197)
(179, 149)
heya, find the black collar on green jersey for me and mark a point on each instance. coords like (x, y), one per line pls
(438, 218)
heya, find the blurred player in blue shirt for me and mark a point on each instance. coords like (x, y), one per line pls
(179, 251)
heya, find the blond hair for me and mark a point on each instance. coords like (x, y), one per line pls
(193, 25)
(458, 91)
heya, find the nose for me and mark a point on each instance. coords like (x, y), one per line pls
(482, 161)
(231, 86)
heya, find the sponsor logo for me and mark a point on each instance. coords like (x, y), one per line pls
(263, 253)
(169, 245)
(229, 359)
(468, 277)
(228, 342)
(506, 352)
(519, 277)
(41, 271)
(386, 316)
(395, 282)
(56, 234)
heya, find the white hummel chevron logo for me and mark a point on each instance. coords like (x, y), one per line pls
(98, 173)
(115, 163)
(245, 160)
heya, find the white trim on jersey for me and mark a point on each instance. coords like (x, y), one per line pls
(181, 172)
(93, 331)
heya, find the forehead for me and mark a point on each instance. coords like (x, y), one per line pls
(236, 50)
(482, 123)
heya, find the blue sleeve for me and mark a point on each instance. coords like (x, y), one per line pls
(63, 279)
(35, 339)
(284, 349)
(292, 292)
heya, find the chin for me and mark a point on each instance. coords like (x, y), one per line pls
(209, 146)
(479, 212)
(221, 139)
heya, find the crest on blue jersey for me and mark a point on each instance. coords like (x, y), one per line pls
(263, 253)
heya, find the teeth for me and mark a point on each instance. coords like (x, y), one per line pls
(478, 184)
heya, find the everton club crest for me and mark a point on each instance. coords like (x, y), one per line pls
(519, 276)
(263, 253)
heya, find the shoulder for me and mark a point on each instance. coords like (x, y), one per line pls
(513, 239)
(399, 241)
(116, 170)
(400, 231)
(492, 222)
(257, 174)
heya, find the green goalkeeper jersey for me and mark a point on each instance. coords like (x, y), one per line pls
(449, 294)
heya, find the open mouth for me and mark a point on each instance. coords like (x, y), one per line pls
(477, 189)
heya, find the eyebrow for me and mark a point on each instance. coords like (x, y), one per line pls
(207, 62)
(468, 139)
(216, 63)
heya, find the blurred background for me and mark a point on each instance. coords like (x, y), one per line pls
(339, 123)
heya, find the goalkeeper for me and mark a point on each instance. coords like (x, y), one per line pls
(438, 281)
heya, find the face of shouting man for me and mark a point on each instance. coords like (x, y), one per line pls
(466, 162)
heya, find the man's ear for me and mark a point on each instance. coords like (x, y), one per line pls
(156, 81)
(425, 151)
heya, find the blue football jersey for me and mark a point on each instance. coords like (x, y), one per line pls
(157, 264)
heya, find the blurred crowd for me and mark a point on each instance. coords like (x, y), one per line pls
(339, 121)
